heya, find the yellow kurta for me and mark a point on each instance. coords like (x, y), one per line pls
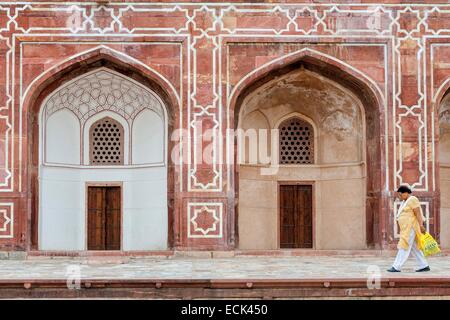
(408, 220)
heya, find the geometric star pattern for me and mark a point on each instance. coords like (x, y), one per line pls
(205, 220)
(6, 220)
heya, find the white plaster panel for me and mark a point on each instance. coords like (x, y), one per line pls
(63, 206)
(60, 193)
(145, 214)
(148, 138)
(144, 194)
(258, 193)
(348, 193)
(145, 229)
(263, 233)
(250, 138)
(63, 138)
(445, 187)
(445, 228)
(342, 229)
(61, 229)
(61, 215)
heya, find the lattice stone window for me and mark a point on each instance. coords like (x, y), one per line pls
(296, 142)
(106, 142)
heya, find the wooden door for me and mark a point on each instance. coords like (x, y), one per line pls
(96, 218)
(295, 216)
(104, 218)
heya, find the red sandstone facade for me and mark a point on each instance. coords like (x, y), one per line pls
(203, 59)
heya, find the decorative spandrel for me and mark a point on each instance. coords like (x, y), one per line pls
(103, 90)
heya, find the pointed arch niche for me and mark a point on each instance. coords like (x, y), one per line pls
(91, 134)
(443, 161)
(346, 175)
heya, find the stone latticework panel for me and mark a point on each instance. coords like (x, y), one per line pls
(106, 142)
(296, 142)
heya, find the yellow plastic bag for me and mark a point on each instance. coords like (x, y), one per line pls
(428, 245)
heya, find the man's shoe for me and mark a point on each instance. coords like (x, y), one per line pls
(424, 269)
(392, 269)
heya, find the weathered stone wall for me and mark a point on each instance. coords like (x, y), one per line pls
(444, 167)
(202, 59)
(338, 171)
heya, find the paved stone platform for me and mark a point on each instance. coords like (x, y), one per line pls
(314, 267)
(190, 277)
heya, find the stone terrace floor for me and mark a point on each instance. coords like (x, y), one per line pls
(238, 267)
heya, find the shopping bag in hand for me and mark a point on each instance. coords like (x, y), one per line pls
(428, 245)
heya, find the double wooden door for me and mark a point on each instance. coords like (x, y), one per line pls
(104, 218)
(296, 216)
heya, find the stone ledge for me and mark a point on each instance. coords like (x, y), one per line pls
(13, 255)
(352, 288)
(220, 254)
(223, 254)
(193, 254)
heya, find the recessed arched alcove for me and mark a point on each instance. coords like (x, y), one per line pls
(346, 177)
(443, 162)
(129, 96)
